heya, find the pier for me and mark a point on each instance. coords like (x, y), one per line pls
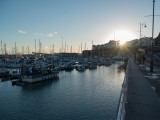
(142, 102)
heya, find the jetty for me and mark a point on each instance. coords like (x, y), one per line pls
(141, 101)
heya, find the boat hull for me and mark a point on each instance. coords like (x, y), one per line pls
(34, 79)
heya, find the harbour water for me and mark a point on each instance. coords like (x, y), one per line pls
(88, 95)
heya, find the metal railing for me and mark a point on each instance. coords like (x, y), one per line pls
(121, 112)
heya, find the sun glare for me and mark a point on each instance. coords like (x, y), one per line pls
(122, 35)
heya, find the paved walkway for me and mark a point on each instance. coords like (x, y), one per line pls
(143, 102)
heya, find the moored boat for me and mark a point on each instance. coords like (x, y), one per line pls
(39, 76)
(80, 68)
(4, 72)
(33, 75)
(93, 66)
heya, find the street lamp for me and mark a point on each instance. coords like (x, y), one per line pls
(142, 25)
(151, 64)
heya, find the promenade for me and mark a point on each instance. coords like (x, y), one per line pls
(142, 101)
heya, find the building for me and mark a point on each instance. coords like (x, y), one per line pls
(157, 43)
(113, 43)
(110, 44)
(86, 53)
(132, 43)
(145, 42)
(157, 40)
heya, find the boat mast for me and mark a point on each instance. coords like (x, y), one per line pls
(5, 51)
(65, 47)
(62, 44)
(71, 49)
(28, 50)
(1, 47)
(92, 49)
(35, 47)
(39, 46)
(53, 49)
(81, 47)
(15, 49)
(22, 50)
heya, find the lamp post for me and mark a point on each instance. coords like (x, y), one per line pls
(151, 64)
(142, 25)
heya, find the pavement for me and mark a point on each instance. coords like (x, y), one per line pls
(142, 101)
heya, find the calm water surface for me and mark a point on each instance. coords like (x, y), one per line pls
(89, 95)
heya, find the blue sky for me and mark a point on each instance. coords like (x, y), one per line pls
(78, 21)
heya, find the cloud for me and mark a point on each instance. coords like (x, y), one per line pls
(21, 31)
(50, 34)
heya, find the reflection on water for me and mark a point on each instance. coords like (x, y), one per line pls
(39, 85)
(90, 95)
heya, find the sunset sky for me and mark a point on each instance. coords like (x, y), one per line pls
(77, 21)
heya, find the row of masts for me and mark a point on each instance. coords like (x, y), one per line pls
(3, 48)
(40, 48)
(64, 48)
(26, 50)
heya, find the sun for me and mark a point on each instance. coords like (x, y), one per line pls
(123, 36)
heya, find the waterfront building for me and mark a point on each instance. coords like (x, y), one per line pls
(86, 53)
(106, 49)
(110, 44)
(157, 44)
(132, 43)
(145, 42)
(113, 44)
(157, 40)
